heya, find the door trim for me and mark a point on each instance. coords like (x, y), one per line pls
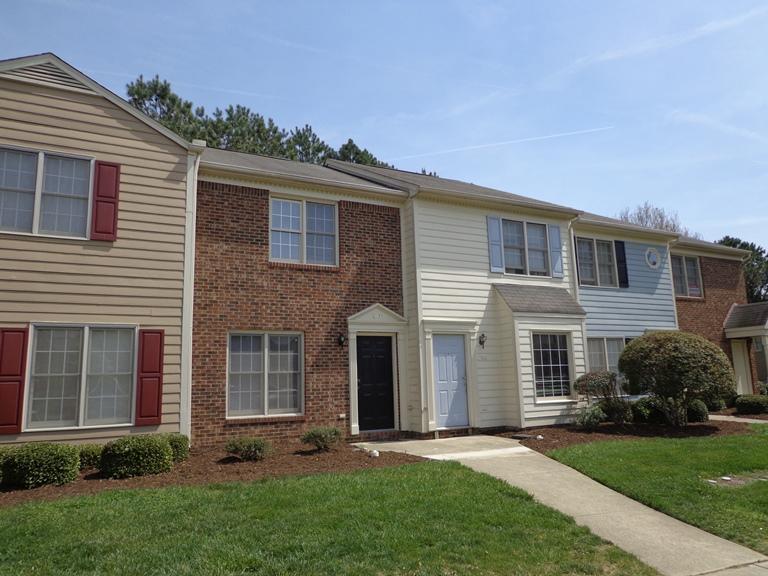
(377, 320)
(742, 361)
(468, 329)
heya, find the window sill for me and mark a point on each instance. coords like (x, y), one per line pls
(76, 428)
(276, 419)
(301, 266)
(557, 401)
(77, 239)
(693, 298)
(594, 286)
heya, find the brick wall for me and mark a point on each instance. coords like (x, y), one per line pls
(237, 288)
(724, 285)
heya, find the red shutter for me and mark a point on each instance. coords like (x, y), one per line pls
(13, 360)
(149, 381)
(106, 189)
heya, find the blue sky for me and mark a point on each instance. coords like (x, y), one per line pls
(593, 104)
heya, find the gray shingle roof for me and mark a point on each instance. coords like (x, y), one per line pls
(413, 181)
(256, 164)
(747, 316)
(539, 299)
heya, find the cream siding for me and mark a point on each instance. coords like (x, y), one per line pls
(412, 418)
(136, 280)
(454, 283)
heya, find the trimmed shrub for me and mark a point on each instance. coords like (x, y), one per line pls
(179, 445)
(136, 456)
(252, 449)
(676, 367)
(4, 453)
(697, 411)
(598, 384)
(752, 404)
(646, 410)
(715, 404)
(40, 463)
(617, 410)
(323, 438)
(590, 417)
(90, 455)
(762, 388)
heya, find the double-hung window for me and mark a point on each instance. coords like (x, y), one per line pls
(265, 374)
(302, 231)
(597, 262)
(81, 376)
(604, 354)
(526, 248)
(552, 373)
(686, 276)
(44, 193)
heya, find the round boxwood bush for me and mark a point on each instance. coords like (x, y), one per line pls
(4, 452)
(617, 410)
(136, 456)
(40, 463)
(697, 411)
(752, 404)
(676, 367)
(179, 445)
(90, 455)
(646, 410)
(322, 438)
(248, 448)
(590, 417)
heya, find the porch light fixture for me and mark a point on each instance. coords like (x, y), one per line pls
(341, 339)
(482, 340)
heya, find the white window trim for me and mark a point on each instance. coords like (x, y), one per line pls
(83, 376)
(597, 283)
(685, 277)
(265, 381)
(302, 232)
(570, 398)
(548, 250)
(39, 193)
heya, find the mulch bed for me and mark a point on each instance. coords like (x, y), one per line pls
(732, 412)
(216, 466)
(568, 435)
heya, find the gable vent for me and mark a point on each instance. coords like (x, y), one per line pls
(46, 74)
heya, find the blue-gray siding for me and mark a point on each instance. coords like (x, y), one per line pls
(648, 303)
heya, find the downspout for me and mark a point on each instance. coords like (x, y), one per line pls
(188, 299)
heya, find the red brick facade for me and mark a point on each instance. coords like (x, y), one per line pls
(724, 285)
(237, 288)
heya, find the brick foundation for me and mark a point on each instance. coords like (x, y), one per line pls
(237, 288)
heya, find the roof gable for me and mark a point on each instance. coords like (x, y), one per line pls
(49, 70)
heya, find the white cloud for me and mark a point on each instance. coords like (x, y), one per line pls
(706, 121)
(504, 143)
(665, 42)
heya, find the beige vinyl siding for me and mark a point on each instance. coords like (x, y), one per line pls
(138, 279)
(413, 417)
(543, 411)
(455, 283)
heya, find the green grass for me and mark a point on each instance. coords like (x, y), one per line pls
(670, 475)
(431, 518)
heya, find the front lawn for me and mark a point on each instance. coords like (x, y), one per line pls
(427, 518)
(672, 475)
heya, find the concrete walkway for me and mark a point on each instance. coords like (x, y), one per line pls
(672, 547)
(724, 418)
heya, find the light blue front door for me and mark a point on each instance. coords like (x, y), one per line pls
(450, 381)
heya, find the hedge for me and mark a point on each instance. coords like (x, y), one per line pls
(40, 463)
(136, 456)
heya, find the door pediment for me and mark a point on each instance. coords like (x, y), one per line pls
(377, 315)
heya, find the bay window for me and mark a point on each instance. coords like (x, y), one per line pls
(551, 363)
